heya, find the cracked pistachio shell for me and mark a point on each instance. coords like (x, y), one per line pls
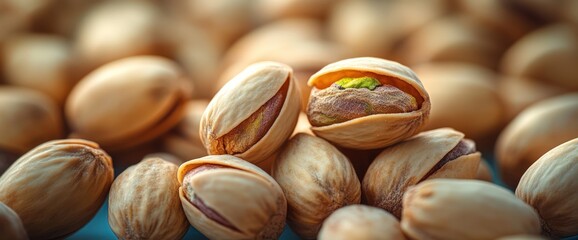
(428, 155)
(317, 179)
(57, 187)
(361, 222)
(253, 114)
(549, 185)
(144, 202)
(127, 102)
(377, 130)
(11, 227)
(535, 131)
(232, 198)
(475, 209)
(27, 119)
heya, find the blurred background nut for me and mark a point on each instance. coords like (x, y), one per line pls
(272, 10)
(40, 62)
(225, 197)
(360, 222)
(523, 237)
(454, 89)
(317, 179)
(484, 172)
(355, 98)
(144, 202)
(476, 209)
(184, 140)
(440, 153)
(549, 185)
(11, 227)
(253, 114)
(75, 178)
(101, 108)
(533, 132)
(27, 119)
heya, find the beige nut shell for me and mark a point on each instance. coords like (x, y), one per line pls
(245, 94)
(465, 209)
(258, 211)
(57, 187)
(379, 130)
(407, 163)
(144, 202)
(549, 185)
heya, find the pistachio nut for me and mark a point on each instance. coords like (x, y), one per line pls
(317, 179)
(539, 128)
(27, 119)
(11, 227)
(184, 140)
(144, 202)
(523, 237)
(440, 153)
(484, 172)
(471, 84)
(57, 187)
(225, 197)
(101, 109)
(116, 29)
(303, 125)
(366, 103)
(549, 185)
(475, 209)
(48, 55)
(253, 114)
(360, 222)
(548, 54)
(275, 10)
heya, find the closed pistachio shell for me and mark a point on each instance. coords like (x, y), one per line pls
(360, 222)
(225, 197)
(440, 153)
(549, 54)
(11, 227)
(317, 179)
(475, 209)
(549, 185)
(374, 130)
(27, 119)
(128, 102)
(536, 130)
(253, 114)
(75, 178)
(144, 202)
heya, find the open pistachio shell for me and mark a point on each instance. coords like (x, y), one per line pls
(225, 197)
(440, 153)
(377, 130)
(127, 102)
(253, 114)
(549, 185)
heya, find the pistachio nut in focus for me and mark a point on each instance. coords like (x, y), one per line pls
(57, 187)
(440, 153)
(366, 103)
(253, 114)
(225, 197)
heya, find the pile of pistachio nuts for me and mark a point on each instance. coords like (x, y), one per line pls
(347, 119)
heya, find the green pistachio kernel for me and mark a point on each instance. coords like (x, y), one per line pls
(361, 82)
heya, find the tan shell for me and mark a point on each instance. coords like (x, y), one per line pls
(11, 227)
(533, 132)
(475, 209)
(523, 237)
(127, 102)
(240, 192)
(412, 161)
(76, 176)
(456, 91)
(144, 202)
(48, 55)
(360, 222)
(379, 130)
(274, 10)
(549, 185)
(244, 95)
(549, 54)
(27, 119)
(317, 179)
(484, 172)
